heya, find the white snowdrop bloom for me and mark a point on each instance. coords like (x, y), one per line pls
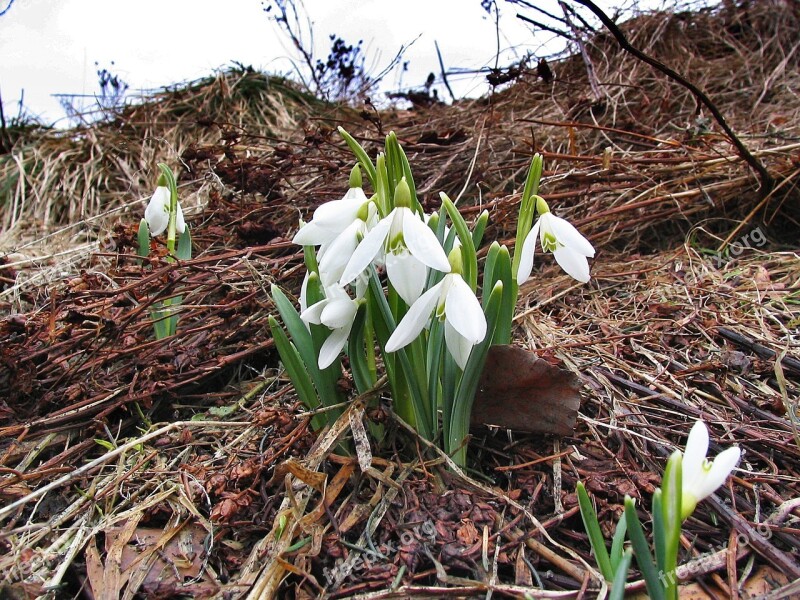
(336, 311)
(407, 246)
(560, 237)
(452, 301)
(701, 477)
(331, 218)
(157, 213)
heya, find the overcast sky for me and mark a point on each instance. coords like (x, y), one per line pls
(49, 47)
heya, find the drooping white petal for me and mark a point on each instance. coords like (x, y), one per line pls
(695, 453)
(422, 242)
(370, 246)
(574, 264)
(157, 212)
(338, 253)
(407, 275)
(526, 256)
(715, 476)
(311, 234)
(313, 313)
(457, 345)
(332, 346)
(338, 214)
(567, 235)
(338, 313)
(463, 311)
(180, 224)
(415, 319)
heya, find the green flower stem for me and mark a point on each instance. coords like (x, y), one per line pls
(527, 209)
(402, 379)
(173, 206)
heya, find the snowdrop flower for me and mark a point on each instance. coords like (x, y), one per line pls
(558, 236)
(410, 248)
(452, 301)
(334, 256)
(332, 218)
(701, 478)
(337, 312)
(157, 212)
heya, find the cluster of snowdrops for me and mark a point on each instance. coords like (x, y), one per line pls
(396, 290)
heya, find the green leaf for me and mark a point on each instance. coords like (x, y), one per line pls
(465, 392)
(470, 272)
(592, 528)
(184, 251)
(480, 227)
(361, 155)
(617, 544)
(143, 237)
(501, 271)
(326, 387)
(620, 577)
(642, 552)
(356, 350)
(172, 321)
(295, 368)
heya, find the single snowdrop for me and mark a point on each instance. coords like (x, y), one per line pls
(702, 477)
(451, 301)
(157, 212)
(560, 237)
(332, 218)
(407, 245)
(336, 311)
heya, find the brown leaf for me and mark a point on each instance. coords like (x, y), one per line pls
(522, 392)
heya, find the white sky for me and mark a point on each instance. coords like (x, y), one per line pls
(51, 46)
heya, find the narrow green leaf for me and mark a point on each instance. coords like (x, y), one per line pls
(143, 237)
(659, 533)
(470, 272)
(465, 393)
(293, 363)
(592, 528)
(361, 155)
(642, 552)
(362, 376)
(172, 321)
(304, 343)
(184, 251)
(480, 227)
(502, 272)
(621, 577)
(618, 542)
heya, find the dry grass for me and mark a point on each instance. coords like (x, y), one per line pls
(673, 327)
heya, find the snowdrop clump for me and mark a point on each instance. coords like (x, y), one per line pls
(383, 273)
